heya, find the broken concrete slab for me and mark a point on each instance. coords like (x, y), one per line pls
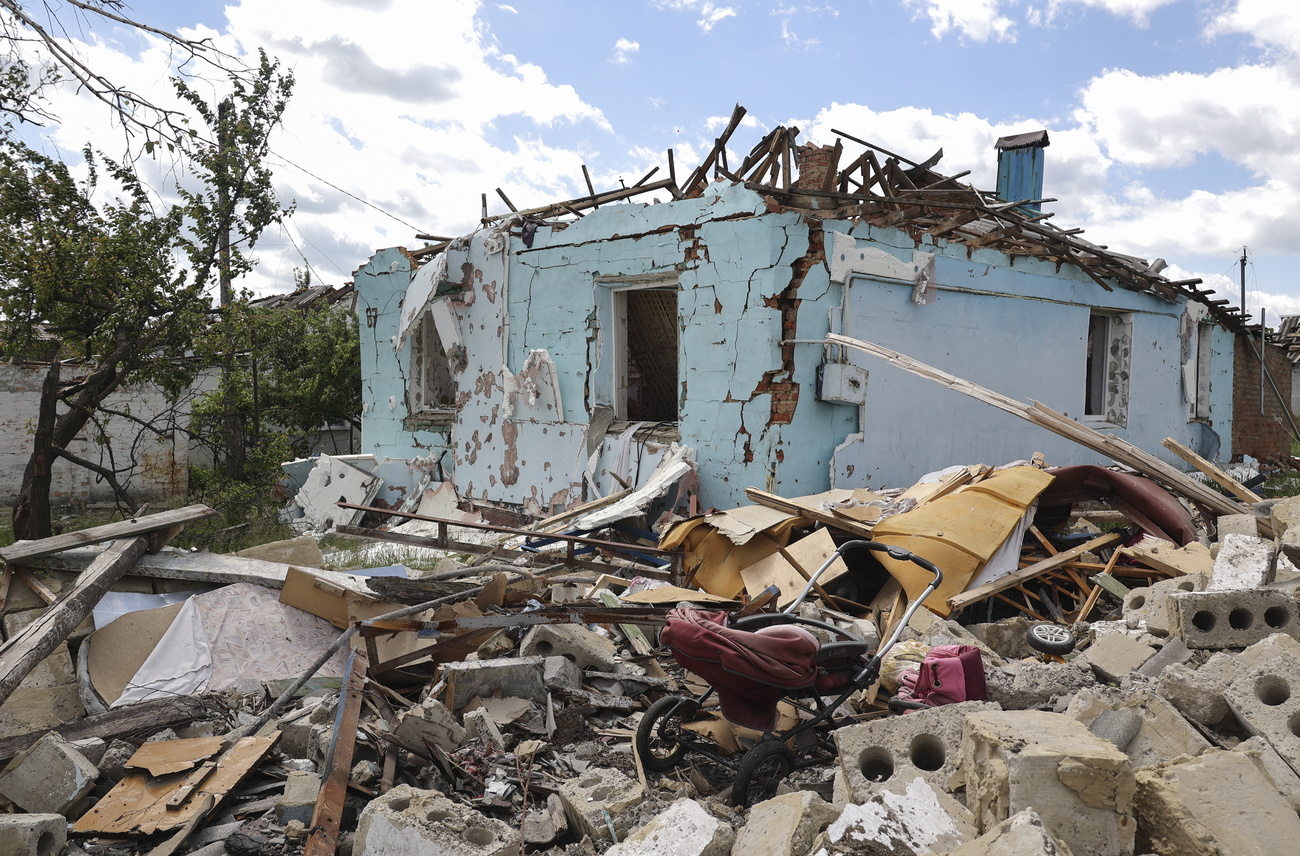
(599, 798)
(1198, 693)
(1243, 562)
(589, 650)
(1160, 732)
(1081, 784)
(926, 743)
(1116, 655)
(1023, 685)
(507, 676)
(685, 828)
(1147, 607)
(1274, 767)
(1233, 619)
(907, 817)
(1219, 802)
(408, 821)
(784, 825)
(1022, 834)
(41, 834)
(49, 777)
(48, 696)
(298, 800)
(1285, 516)
(423, 727)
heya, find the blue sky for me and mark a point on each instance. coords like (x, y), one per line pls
(1175, 124)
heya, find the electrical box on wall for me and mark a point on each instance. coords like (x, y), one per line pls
(841, 383)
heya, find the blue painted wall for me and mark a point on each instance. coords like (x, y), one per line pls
(750, 278)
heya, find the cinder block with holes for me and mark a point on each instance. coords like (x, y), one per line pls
(33, 834)
(1233, 619)
(1149, 605)
(1267, 701)
(926, 744)
(408, 821)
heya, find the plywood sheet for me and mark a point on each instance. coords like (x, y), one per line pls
(119, 649)
(810, 553)
(137, 805)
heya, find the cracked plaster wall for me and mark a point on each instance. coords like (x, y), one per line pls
(750, 278)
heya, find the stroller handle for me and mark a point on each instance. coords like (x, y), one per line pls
(871, 670)
(897, 553)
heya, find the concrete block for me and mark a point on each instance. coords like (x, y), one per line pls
(33, 834)
(1233, 619)
(1285, 516)
(561, 673)
(1174, 651)
(1198, 693)
(784, 825)
(1022, 834)
(1161, 733)
(1243, 562)
(506, 676)
(1148, 607)
(423, 726)
(1116, 655)
(49, 777)
(683, 829)
(1023, 685)
(588, 649)
(1284, 570)
(1274, 767)
(1266, 700)
(480, 725)
(1237, 524)
(907, 817)
(601, 790)
(1006, 637)
(1217, 803)
(406, 821)
(298, 801)
(1080, 784)
(926, 744)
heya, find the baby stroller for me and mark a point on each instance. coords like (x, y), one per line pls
(755, 661)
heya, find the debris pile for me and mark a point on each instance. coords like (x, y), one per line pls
(1140, 660)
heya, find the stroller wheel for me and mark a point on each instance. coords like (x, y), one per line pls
(659, 736)
(1050, 638)
(760, 772)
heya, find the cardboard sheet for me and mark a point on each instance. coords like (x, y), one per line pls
(118, 650)
(810, 553)
(959, 532)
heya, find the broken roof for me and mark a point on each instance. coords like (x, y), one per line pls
(886, 189)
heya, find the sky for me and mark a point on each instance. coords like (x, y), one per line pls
(1174, 124)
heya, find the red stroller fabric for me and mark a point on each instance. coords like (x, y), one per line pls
(751, 672)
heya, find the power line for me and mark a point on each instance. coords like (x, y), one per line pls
(365, 202)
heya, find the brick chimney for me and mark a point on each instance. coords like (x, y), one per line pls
(815, 163)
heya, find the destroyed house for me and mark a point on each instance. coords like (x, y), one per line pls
(557, 354)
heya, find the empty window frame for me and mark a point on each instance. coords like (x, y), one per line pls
(1106, 375)
(431, 389)
(645, 342)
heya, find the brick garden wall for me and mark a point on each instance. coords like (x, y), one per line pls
(1260, 436)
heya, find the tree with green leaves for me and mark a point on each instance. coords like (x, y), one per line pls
(122, 288)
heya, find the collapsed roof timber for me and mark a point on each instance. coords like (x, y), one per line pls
(888, 189)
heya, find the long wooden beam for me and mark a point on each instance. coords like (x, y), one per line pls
(16, 553)
(1037, 569)
(1106, 444)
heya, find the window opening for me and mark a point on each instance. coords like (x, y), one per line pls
(646, 354)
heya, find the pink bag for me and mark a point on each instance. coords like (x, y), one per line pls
(947, 675)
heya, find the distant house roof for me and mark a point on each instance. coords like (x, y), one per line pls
(312, 297)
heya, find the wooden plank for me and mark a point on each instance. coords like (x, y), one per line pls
(1224, 480)
(1166, 556)
(1014, 578)
(780, 503)
(41, 590)
(1106, 444)
(6, 575)
(328, 814)
(16, 553)
(635, 635)
(26, 649)
(128, 722)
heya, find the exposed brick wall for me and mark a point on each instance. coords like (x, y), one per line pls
(1259, 436)
(814, 163)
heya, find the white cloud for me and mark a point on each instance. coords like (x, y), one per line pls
(1138, 11)
(1272, 25)
(975, 20)
(791, 39)
(710, 13)
(623, 50)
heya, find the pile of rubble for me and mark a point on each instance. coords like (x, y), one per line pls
(494, 709)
